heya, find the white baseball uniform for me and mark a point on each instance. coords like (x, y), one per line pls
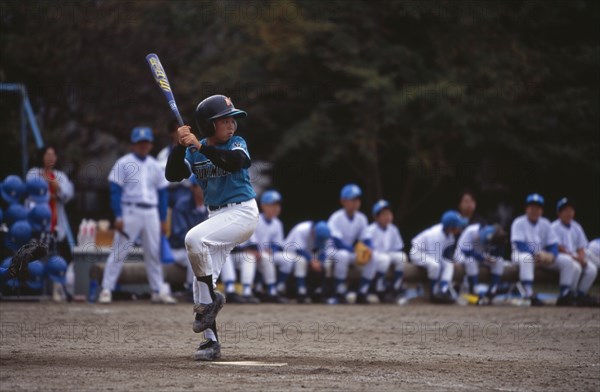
(592, 252)
(528, 238)
(387, 248)
(572, 238)
(470, 252)
(430, 249)
(140, 181)
(268, 239)
(345, 231)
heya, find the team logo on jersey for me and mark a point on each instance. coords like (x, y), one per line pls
(238, 145)
(206, 169)
(228, 101)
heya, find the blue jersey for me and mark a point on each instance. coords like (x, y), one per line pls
(220, 186)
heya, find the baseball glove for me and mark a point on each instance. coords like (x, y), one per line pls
(544, 258)
(31, 251)
(363, 253)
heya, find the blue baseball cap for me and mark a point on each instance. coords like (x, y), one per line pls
(379, 206)
(12, 189)
(350, 191)
(140, 134)
(37, 190)
(35, 279)
(486, 233)
(270, 197)
(39, 217)
(453, 219)
(56, 268)
(15, 213)
(18, 235)
(562, 203)
(535, 198)
(322, 234)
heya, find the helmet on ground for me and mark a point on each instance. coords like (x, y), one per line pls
(39, 217)
(18, 235)
(37, 190)
(12, 189)
(56, 268)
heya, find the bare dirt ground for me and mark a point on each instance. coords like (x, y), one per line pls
(140, 346)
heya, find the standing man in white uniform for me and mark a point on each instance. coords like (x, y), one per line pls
(138, 198)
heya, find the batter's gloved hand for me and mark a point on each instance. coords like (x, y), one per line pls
(544, 258)
(31, 251)
(363, 253)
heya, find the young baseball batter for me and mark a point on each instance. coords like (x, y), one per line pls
(220, 162)
(535, 243)
(572, 242)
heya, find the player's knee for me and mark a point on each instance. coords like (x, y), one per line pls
(194, 243)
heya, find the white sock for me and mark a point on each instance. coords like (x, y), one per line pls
(204, 292)
(210, 335)
(247, 290)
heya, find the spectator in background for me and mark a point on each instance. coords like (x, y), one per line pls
(59, 192)
(467, 204)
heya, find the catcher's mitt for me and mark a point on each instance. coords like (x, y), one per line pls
(31, 251)
(363, 253)
(544, 258)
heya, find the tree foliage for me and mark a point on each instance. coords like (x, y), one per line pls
(411, 100)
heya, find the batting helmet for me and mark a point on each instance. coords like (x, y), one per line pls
(14, 213)
(37, 190)
(12, 189)
(452, 219)
(39, 217)
(56, 268)
(35, 279)
(18, 235)
(212, 108)
(350, 191)
(270, 197)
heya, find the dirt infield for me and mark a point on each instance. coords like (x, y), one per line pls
(139, 346)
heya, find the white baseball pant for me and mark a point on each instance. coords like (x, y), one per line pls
(561, 263)
(136, 221)
(583, 278)
(209, 243)
(436, 269)
(472, 266)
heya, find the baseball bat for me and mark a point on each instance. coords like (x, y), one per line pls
(160, 76)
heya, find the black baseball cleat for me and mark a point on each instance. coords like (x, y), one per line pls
(209, 350)
(566, 300)
(361, 299)
(444, 298)
(250, 299)
(234, 298)
(535, 301)
(273, 299)
(207, 313)
(587, 300)
(303, 299)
